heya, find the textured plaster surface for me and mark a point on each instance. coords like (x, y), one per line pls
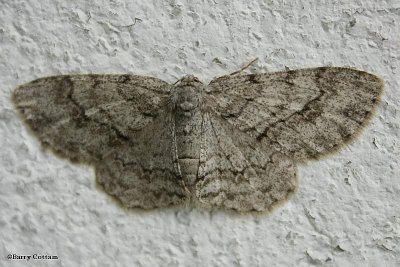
(346, 211)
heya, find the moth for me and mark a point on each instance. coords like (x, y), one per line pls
(232, 144)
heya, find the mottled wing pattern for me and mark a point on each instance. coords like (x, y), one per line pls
(254, 129)
(302, 113)
(82, 117)
(119, 123)
(238, 172)
(144, 173)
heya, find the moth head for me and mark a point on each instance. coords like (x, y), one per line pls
(186, 94)
(188, 80)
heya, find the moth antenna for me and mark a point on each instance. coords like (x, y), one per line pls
(245, 67)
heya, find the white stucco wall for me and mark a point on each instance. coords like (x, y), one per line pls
(346, 211)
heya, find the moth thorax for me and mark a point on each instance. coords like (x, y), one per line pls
(187, 98)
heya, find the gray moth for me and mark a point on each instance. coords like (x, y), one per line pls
(232, 144)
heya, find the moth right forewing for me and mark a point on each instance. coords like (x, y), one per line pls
(305, 113)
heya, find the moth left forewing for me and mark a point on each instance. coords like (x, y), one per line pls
(121, 124)
(82, 117)
(237, 173)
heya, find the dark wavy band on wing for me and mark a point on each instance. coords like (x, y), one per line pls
(302, 113)
(82, 116)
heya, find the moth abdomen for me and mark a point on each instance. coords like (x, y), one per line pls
(186, 97)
